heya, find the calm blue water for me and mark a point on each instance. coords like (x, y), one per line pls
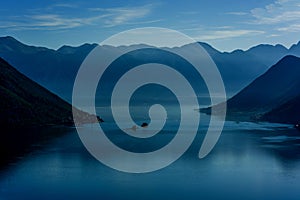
(250, 161)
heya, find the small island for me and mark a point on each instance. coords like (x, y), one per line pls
(144, 125)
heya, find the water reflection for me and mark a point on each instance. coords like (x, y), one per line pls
(250, 161)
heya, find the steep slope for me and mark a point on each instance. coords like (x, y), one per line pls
(279, 84)
(295, 49)
(25, 103)
(275, 92)
(288, 112)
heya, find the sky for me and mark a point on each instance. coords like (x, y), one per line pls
(224, 24)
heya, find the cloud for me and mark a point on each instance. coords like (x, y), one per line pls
(281, 11)
(290, 28)
(48, 22)
(237, 13)
(63, 5)
(273, 35)
(108, 17)
(123, 15)
(224, 34)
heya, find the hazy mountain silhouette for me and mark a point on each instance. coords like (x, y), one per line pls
(53, 69)
(56, 69)
(24, 103)
(273, 96)
(238, 68)
(295, 49)
(269, 54)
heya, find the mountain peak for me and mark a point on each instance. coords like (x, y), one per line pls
(289, 61)
(211, 50)
(263, 47)
(10, 44)
(9, 40)
(295, 48)
(275, 87)
(66, 49)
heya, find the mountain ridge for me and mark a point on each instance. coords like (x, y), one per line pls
(23, 102)
(270, 95)
(202, 43)
(56, 69)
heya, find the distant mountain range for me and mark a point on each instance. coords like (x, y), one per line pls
(274, 96)
(56, 69)
(53, 69)
(239, 68)
(24, 103)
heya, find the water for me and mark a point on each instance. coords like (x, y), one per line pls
(250, 161)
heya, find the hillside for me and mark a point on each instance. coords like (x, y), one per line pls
(273, 96)
(25, 103)
(288, 112)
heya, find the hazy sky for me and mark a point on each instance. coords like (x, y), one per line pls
(225, 24)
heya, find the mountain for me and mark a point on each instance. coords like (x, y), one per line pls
(295, 49)
(29, 114)
(270, 96)
(269, 54)
(56, 69)
(24, 103)
(238, 68)
(288, 112)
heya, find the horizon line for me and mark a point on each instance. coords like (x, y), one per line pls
(95, 43)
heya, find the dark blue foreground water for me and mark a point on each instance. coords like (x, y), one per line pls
(250, 161)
